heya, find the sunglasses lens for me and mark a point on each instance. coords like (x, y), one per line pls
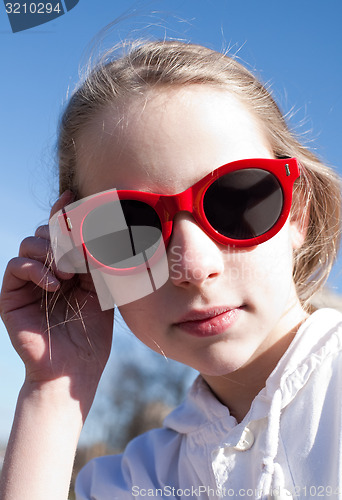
(244, 204)
(118, 244)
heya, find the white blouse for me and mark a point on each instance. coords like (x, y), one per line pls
(288, 446)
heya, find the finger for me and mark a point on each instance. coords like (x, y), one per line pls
(30, 248)
(39, 249)
(35, 248)
(21, 270)
(43, 232)
(65, 198)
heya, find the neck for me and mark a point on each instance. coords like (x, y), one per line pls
(238, 389)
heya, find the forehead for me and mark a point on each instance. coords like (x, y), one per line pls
(166, 140)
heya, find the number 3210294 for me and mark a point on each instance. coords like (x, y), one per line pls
(32, 8)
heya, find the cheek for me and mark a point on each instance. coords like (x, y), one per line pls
(266, 267)
(141, 318)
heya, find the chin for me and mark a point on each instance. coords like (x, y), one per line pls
(220, 367)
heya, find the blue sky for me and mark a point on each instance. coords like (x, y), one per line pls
(294, 45)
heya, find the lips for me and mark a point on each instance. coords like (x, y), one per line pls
(209, 323)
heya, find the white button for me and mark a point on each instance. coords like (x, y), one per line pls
(246, 440)
(281, 495)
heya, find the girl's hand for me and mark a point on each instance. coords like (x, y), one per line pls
(56, 325)
(54, 319)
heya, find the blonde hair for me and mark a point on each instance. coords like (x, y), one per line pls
(149, 65)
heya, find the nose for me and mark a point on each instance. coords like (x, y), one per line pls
(194, 258)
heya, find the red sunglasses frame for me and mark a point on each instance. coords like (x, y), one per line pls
(286, 172)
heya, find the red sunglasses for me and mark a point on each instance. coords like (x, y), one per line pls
(241, 204)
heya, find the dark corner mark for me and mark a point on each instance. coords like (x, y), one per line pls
(30, 13)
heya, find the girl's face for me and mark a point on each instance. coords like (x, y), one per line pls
(221, 308)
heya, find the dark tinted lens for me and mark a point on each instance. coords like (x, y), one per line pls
(244, 204)
(118, 242)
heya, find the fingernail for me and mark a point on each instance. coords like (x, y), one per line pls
(68, 194)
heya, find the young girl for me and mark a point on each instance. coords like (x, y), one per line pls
(250, 237)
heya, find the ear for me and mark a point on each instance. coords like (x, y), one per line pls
(299, 223)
